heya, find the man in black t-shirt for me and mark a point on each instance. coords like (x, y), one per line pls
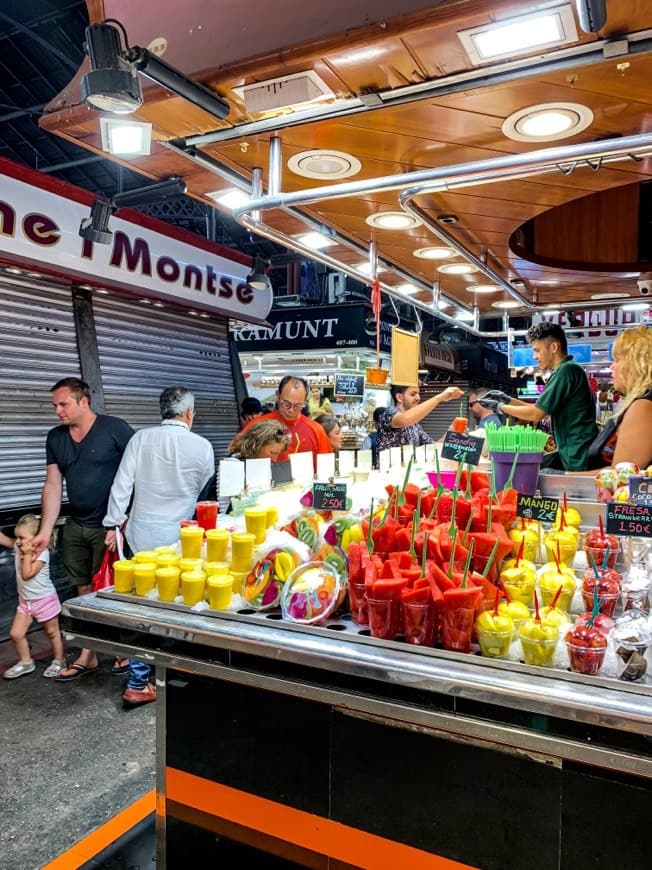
(85, 452)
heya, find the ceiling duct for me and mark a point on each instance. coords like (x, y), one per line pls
(284, 92)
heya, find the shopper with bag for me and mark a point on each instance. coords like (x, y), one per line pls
(37, 600)
(167, 469)
(84, 451)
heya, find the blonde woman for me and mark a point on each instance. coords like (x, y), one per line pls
(627, 437)
(265, 439)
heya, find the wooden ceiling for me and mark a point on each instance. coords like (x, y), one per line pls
(412, 101)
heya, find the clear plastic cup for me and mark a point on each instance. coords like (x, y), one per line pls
(457, 629)
(538, 652)
(383, 617)
(206, 512)
(585, 659)
(419, 622)
(495, 644)
(358, 604)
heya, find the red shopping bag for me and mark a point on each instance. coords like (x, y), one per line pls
(103, 577)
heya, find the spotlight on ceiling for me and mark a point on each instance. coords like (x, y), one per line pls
(257, 279)
(96, 227)
(111, 84)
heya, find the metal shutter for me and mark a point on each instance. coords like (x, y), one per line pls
(437, 423)
(39, 346)
(144, 349)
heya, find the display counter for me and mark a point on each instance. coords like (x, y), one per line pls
(325, 747)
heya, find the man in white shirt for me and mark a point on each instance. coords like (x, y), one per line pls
(167, 469)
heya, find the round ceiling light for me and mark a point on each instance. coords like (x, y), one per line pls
(457, 268)
(408, 289)
(506, 303)
(392, 220)
(483, 288)
(547, 122)
(321, 164)
(434, 253)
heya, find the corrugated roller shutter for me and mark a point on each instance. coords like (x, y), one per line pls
(438, 422)
(39, 346)
(144, 349)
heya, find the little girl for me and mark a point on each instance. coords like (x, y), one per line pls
(37, 599)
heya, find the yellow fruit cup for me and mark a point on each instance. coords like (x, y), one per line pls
(216, 568)
(145, 556)
(220, 591)
(193, 585)
(167, 582)
(217, 544)
(256, 523)
(242, 551)
(192, 538)
(144, 577)
(123, 576)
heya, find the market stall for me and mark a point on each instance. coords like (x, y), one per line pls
(292, 722)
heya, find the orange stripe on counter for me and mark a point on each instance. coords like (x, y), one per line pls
(301, 828)
(91, 845)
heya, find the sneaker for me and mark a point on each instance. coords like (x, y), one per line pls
(135, 697)
(54, 667)
(19, 670)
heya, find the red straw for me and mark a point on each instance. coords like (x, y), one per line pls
(537, 617)
(565, 501)
(558, 557)
(554, 601)
(504, 590)
(601, 523)
(497, 602)
(519, 554)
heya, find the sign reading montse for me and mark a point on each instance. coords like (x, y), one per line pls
(462, 448)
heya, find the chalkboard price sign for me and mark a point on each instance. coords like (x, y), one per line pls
(329, 496)
(629, 519)
(640, 489)
(349, 385)
(462, 448)
(534, 507)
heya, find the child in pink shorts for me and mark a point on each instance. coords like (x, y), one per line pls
(37, 599)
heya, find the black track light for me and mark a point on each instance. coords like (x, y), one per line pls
(257, 278)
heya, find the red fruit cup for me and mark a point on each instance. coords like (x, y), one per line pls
(419, 619)
(586, 659)
(602, 622)
(479, 563)
(608, 591)
(459, 424)
(384, 617)
(458, 628)
(206, 512)
(358, 604)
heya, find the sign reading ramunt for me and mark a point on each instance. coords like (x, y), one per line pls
(39, 228)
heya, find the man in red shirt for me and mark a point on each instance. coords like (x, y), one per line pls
(305, 435)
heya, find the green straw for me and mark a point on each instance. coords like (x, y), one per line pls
(490, 560)
(370, 540)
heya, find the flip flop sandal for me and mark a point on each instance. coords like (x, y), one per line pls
(79, 671)
(120, 668)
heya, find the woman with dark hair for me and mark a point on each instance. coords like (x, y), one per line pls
(318, 403)
(333, 429)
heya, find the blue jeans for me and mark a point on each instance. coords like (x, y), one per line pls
(138, 674)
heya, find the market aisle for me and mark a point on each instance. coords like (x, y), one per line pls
(70, 758)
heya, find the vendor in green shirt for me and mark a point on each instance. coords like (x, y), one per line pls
(567, 398)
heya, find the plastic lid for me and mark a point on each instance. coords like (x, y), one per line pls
(311, 593)
(261, 589)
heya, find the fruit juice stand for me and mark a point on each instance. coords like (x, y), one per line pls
(312, 740)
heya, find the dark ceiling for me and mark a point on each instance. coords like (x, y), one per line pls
(41, 48)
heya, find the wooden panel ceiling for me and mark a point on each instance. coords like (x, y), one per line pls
(451, 124)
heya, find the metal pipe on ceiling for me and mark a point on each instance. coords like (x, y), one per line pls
(504, 72)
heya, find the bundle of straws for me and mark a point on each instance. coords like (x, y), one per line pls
(515, 439)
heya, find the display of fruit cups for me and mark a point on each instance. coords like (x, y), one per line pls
(358, 604)
(518, 584)
(262, 589)
(603, 623)
(549, 582)
(562, 545)
(193, 587)
(586, 649)
(601, 549)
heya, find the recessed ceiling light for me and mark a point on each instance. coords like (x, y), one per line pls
(392, 220)
(483, 288)
(365, 268)
(408, 289)
(636, 306)
(231, 198)
(321, 163)
(466, 316)
(434, 253)
(125, 138)
(610, 296)
(204, 315)
(457, 268)
(506, 303)
(104, 292)
(547, 121)
(551, 313)
(315, 240)
(520, 34)
(34, 275)
(547, 282)
(145, 301)
(193, 313)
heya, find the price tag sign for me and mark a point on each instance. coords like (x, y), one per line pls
(462, 448)
(629, 519)
(534, 507)
(640, 489)
(349, 385)
(329, 496)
